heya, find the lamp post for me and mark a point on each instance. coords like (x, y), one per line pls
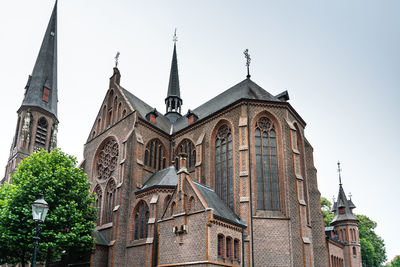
(39, 212)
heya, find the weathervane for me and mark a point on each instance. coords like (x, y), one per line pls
(175, 38)
(116, 59)
(248, 60)
(339, 170)
(350, 195)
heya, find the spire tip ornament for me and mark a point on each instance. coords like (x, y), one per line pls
(116, 59)
(339, 171)
(248, 60)
(175, 38)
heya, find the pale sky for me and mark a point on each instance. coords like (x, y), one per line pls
(339, 60)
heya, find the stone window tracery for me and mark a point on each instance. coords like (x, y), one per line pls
(109, 201)
(97, 202)
(107, 159)
(224, 165)
(266, 165)
(186, 146)
(141, 219)
(154, 155)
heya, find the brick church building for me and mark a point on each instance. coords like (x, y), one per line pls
(228, 183)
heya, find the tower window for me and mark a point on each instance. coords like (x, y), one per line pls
(266, 165)
(46, 93)
(341, 210)
(41, 133)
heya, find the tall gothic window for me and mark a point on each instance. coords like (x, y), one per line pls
(110, 200)
(186, 146)
(41, 133)
(107, 159)
(220, 245)
(266, 165)
(224, 165)
(154, 155)
(97, 202)
(141, 218)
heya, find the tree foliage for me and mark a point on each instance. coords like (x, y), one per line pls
(373, 251)
(395, 262)
(70, 220)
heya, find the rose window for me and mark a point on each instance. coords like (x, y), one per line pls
(107, 159)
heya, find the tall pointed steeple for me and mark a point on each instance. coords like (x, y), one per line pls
(37, 122)
(41, 89)
(173, 100)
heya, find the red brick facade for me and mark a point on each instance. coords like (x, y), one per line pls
(290, 236)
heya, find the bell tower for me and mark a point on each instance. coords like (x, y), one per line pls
(346, 227)
(37, 116)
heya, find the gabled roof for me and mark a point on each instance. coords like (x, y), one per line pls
(143, 109)
(246, 89)
(346, 205)
(221, 210)
(44, 73)
(163, 178)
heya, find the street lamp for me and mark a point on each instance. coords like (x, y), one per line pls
(39, 212)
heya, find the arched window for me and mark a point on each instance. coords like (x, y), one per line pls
(154, 155)
(109, 203)
(119, 110)
(228, 248)
(236, 249)
(190, 204)
(166, 201)
(220, 246)
(186, 146)
(104, 117)
(266, 165)
(141, 218)
(107, 159)
(41, 133)
(172, 211)
(97, 202)
(224, 165)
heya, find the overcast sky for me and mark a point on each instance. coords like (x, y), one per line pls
(339, 60)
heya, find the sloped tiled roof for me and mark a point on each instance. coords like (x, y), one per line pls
(247, 89)
(221, 210)
(163, 178)
(347, 205)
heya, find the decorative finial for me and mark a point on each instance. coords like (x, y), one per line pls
(334, 199)
(350, 195)
(339, 170)
(248, 60)
(116, 59)
(175, 38)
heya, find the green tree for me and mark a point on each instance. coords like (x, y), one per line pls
(395, 262)
(70, 220)
(373, 251)
(326, 208)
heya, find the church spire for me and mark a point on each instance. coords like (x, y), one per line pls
(343, 208)
(41, 89)
(173, 100)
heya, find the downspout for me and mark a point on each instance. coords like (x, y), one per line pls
(250, 187)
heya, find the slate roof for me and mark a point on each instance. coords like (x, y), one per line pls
(44, 73)
(246, 89)
(164, 178)
(173, 86)
(221, 210)
(143, 109)
(348, 206)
